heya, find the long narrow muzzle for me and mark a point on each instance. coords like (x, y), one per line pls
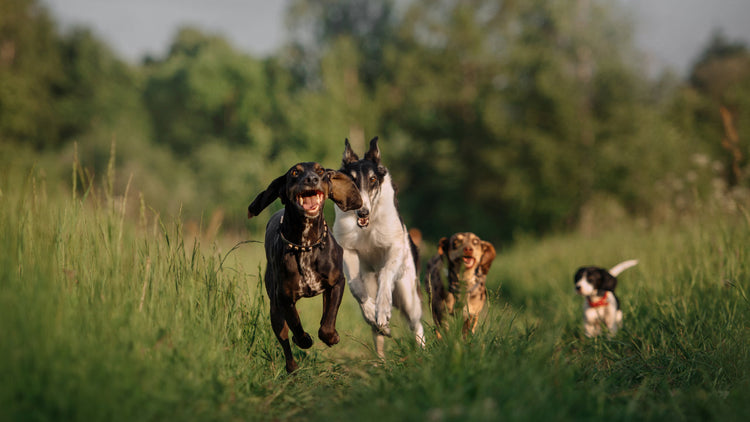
(363, 217)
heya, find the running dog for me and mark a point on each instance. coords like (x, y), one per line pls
(601, 307)
(303, 260)
(469, 259)
(380, 259)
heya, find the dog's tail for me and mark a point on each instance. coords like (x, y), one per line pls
(624, 265)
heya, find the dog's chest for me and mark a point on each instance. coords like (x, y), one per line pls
(371, 244)
(601, 314)
(470, 282)
(310, 282)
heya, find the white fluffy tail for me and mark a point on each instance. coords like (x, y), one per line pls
(624, 265)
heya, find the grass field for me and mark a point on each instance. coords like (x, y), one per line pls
(108, 317)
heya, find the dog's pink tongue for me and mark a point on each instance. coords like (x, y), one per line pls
(310, 202)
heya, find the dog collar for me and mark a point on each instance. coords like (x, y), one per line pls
(601, 302)
(291, 246)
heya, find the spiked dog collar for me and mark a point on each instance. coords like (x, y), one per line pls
(296, 247)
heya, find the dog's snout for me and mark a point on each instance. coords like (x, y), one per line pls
(468, 250)
(311, 179)
(363, 212)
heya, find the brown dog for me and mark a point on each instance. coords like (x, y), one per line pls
(469, 259)
(303, 259)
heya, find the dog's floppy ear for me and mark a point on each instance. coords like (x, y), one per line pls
(442, 246)
(349, 155)
(373, 154)
(579, 274)
(343, 191)
(267, 197)
(488, 255)
(609, 282)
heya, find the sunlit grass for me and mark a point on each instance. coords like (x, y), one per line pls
(105, 317)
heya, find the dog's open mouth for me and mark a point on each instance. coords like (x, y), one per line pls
(469, 261)
(311, 201)
(363, 222)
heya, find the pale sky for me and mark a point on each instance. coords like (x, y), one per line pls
(134, 28)
(670, 32)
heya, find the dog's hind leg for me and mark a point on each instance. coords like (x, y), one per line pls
(408, 300)
(331, 302)
(414, 318)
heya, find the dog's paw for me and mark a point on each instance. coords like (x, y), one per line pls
(382, 324)
(368, 310)
(291, 366)
(304, 343)
(329, 338)
(384, 330)
(383, 319)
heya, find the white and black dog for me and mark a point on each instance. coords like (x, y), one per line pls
(601, 306)
(380, 259)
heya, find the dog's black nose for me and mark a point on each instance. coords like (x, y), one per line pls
(363, 212)
(312, 179)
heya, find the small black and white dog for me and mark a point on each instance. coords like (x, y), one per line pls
(601, 306)
(380, 259)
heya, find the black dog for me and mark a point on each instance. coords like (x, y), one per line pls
(303, 259)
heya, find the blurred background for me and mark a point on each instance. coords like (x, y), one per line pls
(506, 118)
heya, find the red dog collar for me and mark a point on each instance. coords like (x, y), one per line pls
(601, 302)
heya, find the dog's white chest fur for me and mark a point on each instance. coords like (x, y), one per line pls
(310, 283)
(607, 315)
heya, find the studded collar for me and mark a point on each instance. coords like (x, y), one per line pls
(296, 247)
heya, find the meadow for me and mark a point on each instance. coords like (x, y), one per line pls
(110, 311)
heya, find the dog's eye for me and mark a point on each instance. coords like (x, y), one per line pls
(373, 179)
(320, 171)
(295, 173)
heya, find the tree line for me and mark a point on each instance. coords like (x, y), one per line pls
(501, 117)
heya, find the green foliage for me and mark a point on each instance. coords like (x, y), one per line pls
(531, 114)
(317, 25)
(204, 91)
(714, 106)
(29, 63)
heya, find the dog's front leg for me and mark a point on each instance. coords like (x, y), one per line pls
(384, 298)
(300, 337)
(331, 302)
(358, 287)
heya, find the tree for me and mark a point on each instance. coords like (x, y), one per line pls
(716, 103)
(524, 110)
(205, 91)
(317, 25)
(29, 74)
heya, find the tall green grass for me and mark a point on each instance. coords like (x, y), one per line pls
(110, 316)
